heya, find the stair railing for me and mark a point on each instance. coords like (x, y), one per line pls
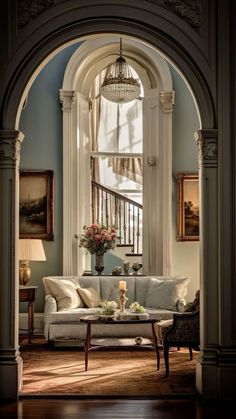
(112, 208)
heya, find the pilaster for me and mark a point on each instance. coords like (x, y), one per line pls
(10, 361)
(214, 377)
(67, 98)
(208, 178)
(167, 100)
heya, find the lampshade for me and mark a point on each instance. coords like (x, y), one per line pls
(31, 249)
(119, 85)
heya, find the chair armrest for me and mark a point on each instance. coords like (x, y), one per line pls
(185, 328)
(181, 304)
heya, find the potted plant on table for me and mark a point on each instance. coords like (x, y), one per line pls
(137, 308)
(98, 239)
(109, 309)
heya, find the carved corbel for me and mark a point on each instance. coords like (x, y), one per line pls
(167, 100)
(10, 145)
(207, 140)
(67, 99)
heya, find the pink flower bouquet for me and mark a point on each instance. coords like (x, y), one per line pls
(97, 239)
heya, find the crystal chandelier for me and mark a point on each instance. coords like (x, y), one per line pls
(119, 85)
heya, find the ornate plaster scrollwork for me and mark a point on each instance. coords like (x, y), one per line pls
(167, 100)
(30, 9)
(188, 10)
(207, 147)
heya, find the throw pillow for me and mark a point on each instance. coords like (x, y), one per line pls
(166, 293)
(89, 297)
(64, 292)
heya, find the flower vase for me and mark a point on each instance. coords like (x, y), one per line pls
(99, 264)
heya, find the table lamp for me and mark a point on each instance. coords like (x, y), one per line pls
(29, 249)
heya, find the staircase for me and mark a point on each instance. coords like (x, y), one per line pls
(112, 208)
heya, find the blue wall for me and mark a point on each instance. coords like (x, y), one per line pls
(185, 123)
(41, 123)
(185, 255)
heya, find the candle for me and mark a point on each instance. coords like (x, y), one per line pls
(122, 285)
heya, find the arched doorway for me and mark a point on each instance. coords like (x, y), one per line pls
(87, 61)
(10, 111)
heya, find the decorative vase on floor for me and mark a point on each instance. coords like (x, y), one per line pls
(99, 264)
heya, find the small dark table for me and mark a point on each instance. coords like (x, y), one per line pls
(89, 320)
(28, 294)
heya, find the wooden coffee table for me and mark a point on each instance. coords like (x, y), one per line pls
(90, 320)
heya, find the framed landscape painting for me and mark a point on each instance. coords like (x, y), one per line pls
(188, 207)
(36, 204)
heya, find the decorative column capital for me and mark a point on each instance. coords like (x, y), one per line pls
(10, 145)
(67, 99)
(167, 100)
(207, 140)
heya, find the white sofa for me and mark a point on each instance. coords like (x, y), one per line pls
(161, 296)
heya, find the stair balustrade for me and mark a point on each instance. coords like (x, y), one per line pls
(114, 209)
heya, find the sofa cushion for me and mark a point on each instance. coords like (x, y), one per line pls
(64, 291)
(141, 289)
(89, 297)
(73, 280)
(72, 316)
(92, 281)
(166, 293)
(110, 288)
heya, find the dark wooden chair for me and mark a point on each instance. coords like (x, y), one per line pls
(182, 332)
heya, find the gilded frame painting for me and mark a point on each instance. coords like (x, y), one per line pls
(36, 201)
(188, 207)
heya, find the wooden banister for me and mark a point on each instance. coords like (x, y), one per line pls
(112, 208)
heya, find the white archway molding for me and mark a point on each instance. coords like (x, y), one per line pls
(87, 61)
(95, 50)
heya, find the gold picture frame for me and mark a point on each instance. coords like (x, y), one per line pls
(188, 207)
(36, 202)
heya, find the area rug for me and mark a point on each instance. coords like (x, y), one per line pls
(122, 371)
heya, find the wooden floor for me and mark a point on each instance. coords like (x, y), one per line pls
(116, 408)
(123, 372)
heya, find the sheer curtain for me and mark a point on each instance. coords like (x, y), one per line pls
(120, 130)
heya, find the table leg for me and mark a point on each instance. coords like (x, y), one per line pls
(155, 344)
(30, 321)
(87, 345)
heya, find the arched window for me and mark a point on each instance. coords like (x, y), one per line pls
(117, 164)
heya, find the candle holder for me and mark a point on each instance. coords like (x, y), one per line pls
(122, 300)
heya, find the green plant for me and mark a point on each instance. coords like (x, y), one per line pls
(137, 308)
(108, 307)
